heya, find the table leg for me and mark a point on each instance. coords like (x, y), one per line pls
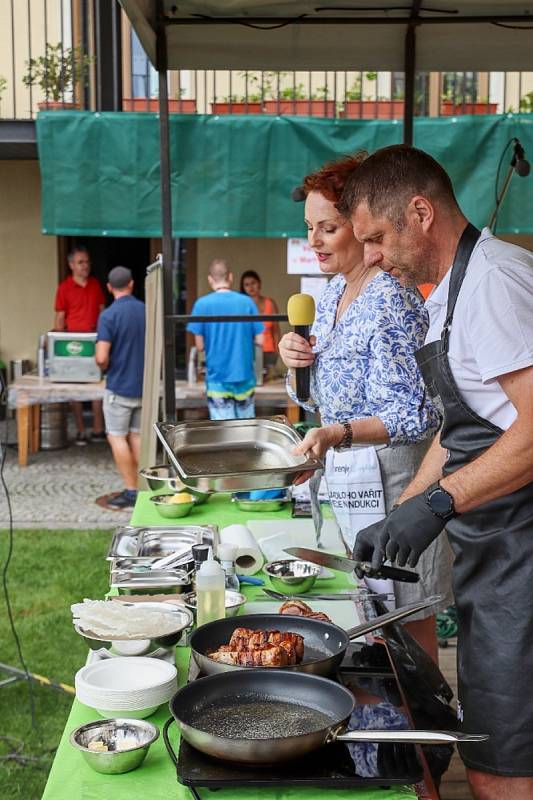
(35, 428)
(23, 420)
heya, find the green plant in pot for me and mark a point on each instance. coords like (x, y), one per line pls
(57, 72)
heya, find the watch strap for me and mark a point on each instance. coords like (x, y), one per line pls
(347, 438)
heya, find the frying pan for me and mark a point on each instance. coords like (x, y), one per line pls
(266, 716)
(324, 643)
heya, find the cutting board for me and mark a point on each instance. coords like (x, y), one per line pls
(341, 612)
(273, 536)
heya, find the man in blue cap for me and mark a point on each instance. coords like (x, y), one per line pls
(120, 352)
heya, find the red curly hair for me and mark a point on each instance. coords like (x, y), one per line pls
(330, 179)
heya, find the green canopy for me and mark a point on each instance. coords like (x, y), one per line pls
(233, 175)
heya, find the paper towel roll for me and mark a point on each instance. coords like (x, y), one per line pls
(249, 559)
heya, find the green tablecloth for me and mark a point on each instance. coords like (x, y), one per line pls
(71, 779)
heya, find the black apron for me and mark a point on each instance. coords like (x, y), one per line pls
(492, 575)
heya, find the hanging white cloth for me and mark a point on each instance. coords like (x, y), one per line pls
(357, 498)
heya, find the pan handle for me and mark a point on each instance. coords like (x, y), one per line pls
(409, 737)
(392, 616)
(170, 749)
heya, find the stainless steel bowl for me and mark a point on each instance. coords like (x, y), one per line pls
(115, 733)
(290, 576)
(171, 510)
(137, 645)
(162, 478)
(243, 502)
(233, 601)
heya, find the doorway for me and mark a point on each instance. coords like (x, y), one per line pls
(106, 254)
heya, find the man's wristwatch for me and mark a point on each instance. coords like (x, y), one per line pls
(440, 502)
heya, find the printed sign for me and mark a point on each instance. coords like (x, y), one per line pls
(74, 348)
(301, 259)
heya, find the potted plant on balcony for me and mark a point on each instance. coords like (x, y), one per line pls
(176, 105)
(358, 107)
(295, 100)
(57, 73)
(251, 102)
(526, 103)
(454, 106)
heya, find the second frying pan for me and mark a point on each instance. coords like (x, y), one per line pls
(324, 643)
(267, 716)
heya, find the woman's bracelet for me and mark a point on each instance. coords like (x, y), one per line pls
(347, 438)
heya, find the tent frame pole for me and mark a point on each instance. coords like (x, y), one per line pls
(410, 73)
(169, 347)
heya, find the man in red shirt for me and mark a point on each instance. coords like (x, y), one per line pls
(79, 301)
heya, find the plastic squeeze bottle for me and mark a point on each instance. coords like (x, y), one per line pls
(210, 591)
(227, 554)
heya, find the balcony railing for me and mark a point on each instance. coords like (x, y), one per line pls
(51, 57)
(46, 60)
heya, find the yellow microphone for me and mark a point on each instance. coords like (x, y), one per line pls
(301, 313)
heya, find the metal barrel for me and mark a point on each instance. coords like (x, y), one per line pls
(54, 426)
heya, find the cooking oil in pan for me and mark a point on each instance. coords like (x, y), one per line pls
(259, 719)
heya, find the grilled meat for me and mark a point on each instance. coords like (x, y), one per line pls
(318, 615)
(267, 656)
(284, 647)
(293, 643)
(297, 608)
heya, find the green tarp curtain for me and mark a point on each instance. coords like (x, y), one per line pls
(233, 175)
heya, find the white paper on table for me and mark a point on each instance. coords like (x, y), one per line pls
(273, 536)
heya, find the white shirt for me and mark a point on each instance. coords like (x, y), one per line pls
(492, 328)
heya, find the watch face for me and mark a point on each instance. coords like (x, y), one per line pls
(440, 502)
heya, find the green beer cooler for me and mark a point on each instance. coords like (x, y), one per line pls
(71, 358)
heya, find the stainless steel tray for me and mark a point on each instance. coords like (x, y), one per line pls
(235, 455)
(145, 544)
(173, 582)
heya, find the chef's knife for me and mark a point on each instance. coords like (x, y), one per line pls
(333, 596)
(343, 564)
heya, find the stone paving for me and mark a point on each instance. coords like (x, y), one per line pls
(58, 488)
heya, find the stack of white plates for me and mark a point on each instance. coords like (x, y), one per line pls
(132, 687)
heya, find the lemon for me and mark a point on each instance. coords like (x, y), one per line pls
(183, 497)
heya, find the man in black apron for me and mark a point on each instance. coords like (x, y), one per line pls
(477, 478)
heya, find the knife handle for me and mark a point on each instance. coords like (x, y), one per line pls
(395, 574)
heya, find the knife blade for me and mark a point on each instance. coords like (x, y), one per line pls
(339, 596)
(343, 564)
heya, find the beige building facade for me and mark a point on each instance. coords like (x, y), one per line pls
(28, 262)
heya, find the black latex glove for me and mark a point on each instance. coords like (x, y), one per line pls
(402, 536)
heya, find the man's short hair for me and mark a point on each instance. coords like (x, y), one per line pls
(387, 180)
(78, 248)
(119, 277)
(219, 270)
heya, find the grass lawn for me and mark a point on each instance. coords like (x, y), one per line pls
(49, 570)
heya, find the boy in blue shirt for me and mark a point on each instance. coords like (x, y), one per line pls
(228, 346)
(120, 351)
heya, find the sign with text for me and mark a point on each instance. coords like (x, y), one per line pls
(301, 259)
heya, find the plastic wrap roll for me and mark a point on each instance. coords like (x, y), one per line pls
(249, 559)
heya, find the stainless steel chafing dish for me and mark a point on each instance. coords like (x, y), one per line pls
(235, 455)
(150, 582)
(141, 546)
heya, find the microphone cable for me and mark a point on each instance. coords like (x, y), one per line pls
(3, 454)
(517, 156)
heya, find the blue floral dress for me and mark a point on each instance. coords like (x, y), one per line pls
(365, 364)
(365, 367)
